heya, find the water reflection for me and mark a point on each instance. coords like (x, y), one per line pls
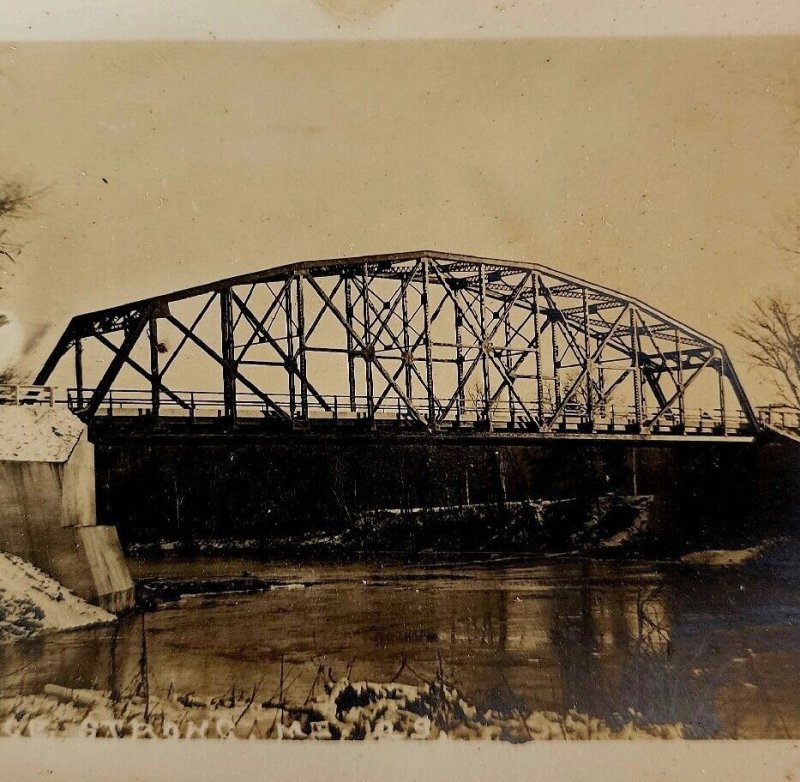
(718, 651)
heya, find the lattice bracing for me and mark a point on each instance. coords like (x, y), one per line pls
(424, 340)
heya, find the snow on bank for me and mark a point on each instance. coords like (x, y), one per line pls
(31, 602)
(722, 557)
(30, 433)
(346, 710)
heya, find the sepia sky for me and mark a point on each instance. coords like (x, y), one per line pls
(391, 19)
(663, 167)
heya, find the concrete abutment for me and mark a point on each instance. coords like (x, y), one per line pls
(47, 505)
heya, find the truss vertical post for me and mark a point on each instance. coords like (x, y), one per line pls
(637, 371)
(601, 387)
(679, 374)
(721, 380)
(301, 347)
(228, 361)
(459, 320)
(537, 350)
(426, 312)
(79, 370)
(587, 358)
(369, 346)
(507, 329)
(155, 372)
(406, 344)
(291, 358)
(556, 365)
(348, 312)
(485, 347)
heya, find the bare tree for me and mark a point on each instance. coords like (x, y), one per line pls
(582, 395)
(772, 331)
(15, 201)
(787, 238)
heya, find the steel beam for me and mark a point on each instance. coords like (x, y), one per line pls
(228, 361)
(301, 346)
(79, 371)
(428, 354)
(155, 391)
(351, 369)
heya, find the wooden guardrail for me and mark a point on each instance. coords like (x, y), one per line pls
(779, 417)
(26, 395)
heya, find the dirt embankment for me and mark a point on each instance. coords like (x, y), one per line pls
(31, 603)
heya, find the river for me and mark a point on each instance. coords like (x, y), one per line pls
(715, 648)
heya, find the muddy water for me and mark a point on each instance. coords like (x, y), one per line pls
(718, 649)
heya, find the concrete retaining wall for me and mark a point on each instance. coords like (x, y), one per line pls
(47, 505)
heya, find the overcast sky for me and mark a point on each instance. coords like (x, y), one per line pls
(661, 167)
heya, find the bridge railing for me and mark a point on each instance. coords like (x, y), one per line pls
(573, 418)
(780, 416)
(11, 394)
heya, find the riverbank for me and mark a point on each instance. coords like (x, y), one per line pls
(31, 603)
(344, 710)
(610, 523)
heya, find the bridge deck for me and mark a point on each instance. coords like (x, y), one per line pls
(124, 426)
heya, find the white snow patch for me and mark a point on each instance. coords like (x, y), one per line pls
(37, 434)
(32, 602)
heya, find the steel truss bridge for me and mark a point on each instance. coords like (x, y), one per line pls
(418, 342)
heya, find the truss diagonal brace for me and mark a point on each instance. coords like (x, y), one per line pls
(288, 361)
(362, 346)
(143, 372)
(680, 391)
(235, 372)
(585, 371)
